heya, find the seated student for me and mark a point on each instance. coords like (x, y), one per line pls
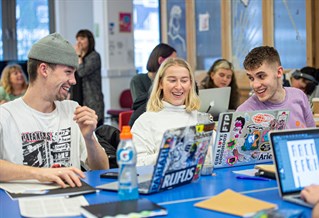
(311, 195)
(222, 74)
(305, 79)
(13, 83)
(140, 84)
(42, 129)
(173, 103)
(265, 73)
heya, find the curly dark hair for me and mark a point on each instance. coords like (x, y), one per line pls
(260, 55)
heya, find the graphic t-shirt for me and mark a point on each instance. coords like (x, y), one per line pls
(38, 139)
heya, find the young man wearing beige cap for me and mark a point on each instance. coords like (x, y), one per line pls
(43, 136)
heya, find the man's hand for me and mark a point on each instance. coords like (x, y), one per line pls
(62, 176)
(310, 194)
(86, 118)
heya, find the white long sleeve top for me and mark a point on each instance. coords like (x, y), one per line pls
(149, 128)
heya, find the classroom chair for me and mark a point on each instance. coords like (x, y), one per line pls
(124, 118)
(126, 103)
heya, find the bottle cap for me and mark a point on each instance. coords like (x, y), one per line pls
(126, 133)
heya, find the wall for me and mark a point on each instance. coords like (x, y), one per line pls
(72, 15)
(117, 50)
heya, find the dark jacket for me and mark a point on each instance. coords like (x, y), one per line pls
(90, 73)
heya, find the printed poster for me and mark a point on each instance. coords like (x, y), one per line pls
(125, 22)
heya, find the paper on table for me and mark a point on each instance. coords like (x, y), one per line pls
(266, 167)
(23, 186)
(249, 172)
(228, 202)
(51, 207)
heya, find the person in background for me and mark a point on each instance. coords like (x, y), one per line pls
(89, 75)
(13, 83)
(42, 135)
(311, 195)
(306, 79)
(173, 103)
(264, 71)
(141, 83)
(222, 74)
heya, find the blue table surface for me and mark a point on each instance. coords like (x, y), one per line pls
(180, 201)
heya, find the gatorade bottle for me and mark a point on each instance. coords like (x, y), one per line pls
(126, 159)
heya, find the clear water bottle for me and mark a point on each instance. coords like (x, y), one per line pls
(126, 159)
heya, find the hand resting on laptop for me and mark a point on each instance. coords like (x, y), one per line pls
(310, 194)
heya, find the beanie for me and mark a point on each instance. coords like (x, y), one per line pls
(54, 49)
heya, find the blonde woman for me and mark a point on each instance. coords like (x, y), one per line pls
(173, 103)
(13, 83)
(222, 74)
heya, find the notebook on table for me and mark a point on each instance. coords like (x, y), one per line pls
(296, 157)
(242, 137)
(181, 157)
(214, 101)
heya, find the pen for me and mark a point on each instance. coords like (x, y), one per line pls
(253, 178)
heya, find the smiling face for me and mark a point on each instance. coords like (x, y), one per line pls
(176, 84)
(16, 77)
(266, 83)
(60, 81)
(222, 77)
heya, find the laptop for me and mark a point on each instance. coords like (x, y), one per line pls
(296, 157)
(214, 101)
(181, 157)
(242, 137)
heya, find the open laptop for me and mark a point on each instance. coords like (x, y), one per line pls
(242, 137)
(296, 157)
(181, 157)
(214, 101)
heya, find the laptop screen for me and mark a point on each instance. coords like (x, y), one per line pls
(296, 157)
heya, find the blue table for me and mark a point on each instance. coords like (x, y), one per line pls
(180, 201)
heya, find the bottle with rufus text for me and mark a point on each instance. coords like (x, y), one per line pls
(126, 159)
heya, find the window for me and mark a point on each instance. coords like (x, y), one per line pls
(290, 29)
(146, 31)
(246, 29)
(176, 24)
(26, 22)
(208, 34)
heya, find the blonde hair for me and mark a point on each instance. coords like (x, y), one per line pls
(5, 77)
(155, 103)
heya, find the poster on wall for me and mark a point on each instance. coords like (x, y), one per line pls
(125, 22)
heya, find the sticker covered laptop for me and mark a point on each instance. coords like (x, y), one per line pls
(242, 137)
(181, 157)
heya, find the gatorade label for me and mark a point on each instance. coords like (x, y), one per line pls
(125, 156)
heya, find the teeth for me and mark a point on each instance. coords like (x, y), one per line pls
(179, 94)
(260, 91)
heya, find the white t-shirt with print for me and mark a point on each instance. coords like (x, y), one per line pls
(37, 139)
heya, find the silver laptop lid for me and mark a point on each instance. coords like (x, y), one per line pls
(296, 158)
(214, 101)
